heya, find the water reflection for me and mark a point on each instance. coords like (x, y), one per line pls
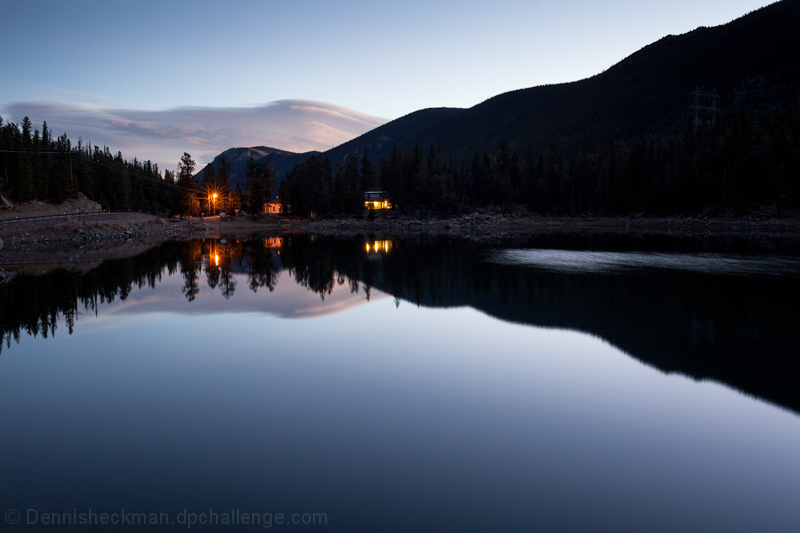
(570, 261)
(196, 393)
(379, 247)
(729, 317)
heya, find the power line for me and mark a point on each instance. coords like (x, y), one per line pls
(711, 103)
(34, 152)
(704, 104)
(84, 157)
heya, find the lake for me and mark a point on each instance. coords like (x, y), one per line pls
(547, 383)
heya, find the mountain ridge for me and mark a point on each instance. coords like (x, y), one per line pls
(759, 49)
(629, 97)
(283, 160)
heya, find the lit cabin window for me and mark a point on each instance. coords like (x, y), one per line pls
(377, 200)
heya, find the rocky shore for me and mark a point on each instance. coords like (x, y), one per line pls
(486, 223)
(44, 233)
(78, 229)
(30, 234)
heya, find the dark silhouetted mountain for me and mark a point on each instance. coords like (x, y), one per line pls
(641, 95)
(380, 140)
(754, 52)
(282, 159)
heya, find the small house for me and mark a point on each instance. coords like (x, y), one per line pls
(273, 207)
(377, 200)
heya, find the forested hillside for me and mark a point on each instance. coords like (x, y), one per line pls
(36, 166)
(701, 123)
(640, 96)
(741, 164)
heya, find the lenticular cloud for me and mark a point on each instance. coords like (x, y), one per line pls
(163, 135)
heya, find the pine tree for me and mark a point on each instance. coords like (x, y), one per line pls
(26, 132)
(189, 187)
(368, 174)
(393, 177)
(254, 187)
(351, 183)
(268, 177)
(185, 169)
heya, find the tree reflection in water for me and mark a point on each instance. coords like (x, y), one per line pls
(742, 330)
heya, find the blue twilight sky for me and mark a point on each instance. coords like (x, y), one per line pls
(155, 78)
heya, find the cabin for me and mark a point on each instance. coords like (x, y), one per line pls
(377, 200)
(273, 207)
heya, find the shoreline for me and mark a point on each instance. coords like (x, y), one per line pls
(77, 230)
(48, 244)
(499, 225)
(36, 233)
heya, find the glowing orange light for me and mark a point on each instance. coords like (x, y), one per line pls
(216, 259)
(273, 242)
(379, 246)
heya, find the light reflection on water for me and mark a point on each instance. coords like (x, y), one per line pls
(570, 261)
(432, 402)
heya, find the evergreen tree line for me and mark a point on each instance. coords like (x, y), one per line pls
(739, 164)
(213, 193)
(36, 166)
(260, 180)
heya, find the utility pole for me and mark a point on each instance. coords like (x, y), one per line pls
(71, 179)
(704, 106)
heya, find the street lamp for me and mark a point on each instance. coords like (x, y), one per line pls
(214, 208)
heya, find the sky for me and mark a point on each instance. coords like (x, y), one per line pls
(157, 78)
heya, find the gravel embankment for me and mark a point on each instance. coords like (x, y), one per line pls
(35, 232)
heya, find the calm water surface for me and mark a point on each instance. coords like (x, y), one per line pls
(548, 384)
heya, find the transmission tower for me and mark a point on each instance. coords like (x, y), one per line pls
(704, 106)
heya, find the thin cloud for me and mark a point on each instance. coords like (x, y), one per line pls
(163, 135)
